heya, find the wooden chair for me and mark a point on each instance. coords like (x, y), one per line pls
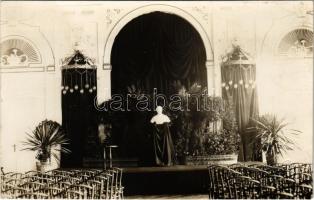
(74, 194)
(15, 191)
(33, 186)
(35, 195)
(211, 184)
(73, 180)
(54, 192)
(88, 191)
(247, 188)
(274, 170)
(305, 191)
(222, 181)
(232, 166)
(98, 187)
(118, 182)
(256, 165)
(63, 184)
(284, 187)
(107, 181)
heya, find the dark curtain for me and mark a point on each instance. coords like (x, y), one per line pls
(155, 49)
(152, 51)
(239, 86)
(79, 116)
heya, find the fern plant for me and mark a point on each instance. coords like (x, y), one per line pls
(274, 136)
(45, 139)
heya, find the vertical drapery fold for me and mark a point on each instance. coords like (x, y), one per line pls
(155, 49)
(239, 87)
(79, 116)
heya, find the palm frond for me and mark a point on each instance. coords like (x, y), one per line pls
(46, 136)
(274, 135)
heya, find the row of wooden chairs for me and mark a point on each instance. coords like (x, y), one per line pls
(260, 181)
(70, 184)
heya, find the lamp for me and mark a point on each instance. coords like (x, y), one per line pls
(78, 74)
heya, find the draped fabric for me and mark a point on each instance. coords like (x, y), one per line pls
(163, 146)
(239, 87)
(155, 49)
(79, 117)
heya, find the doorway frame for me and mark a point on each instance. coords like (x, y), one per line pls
(104, 71)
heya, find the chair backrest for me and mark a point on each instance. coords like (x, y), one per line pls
(119, 174)
(247, 188)
(74, 194)
(98, 187)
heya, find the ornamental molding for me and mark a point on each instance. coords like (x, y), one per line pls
(210, 64)
(107, 66)
(112, 14)
(84, 38)
(15, 57)
(24, 48)
(279, 29)
(203, 13)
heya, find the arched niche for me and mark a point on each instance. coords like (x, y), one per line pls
(287, 80)
(296, 44)
(103, 80)
(27, 49)
(270, 46)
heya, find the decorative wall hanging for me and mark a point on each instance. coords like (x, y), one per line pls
(24, 48)
(238, 73)
(78, 74)
(18, 53)
(84, 36)
(297, 43)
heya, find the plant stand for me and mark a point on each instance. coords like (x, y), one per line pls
(42, 166)
(213, 159)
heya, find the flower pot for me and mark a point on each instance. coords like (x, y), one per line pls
(271, 159)
(212, 159)
(42, 166)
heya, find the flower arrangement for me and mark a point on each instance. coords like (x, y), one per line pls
(208, 130)
(224, 141)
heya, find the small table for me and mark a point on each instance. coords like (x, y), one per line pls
(110, 155)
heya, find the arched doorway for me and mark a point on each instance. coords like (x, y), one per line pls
(104, 72)
(153, 51)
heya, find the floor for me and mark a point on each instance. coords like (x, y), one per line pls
(195, 196)
(179, 181)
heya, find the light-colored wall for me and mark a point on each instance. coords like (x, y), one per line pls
(29, 97)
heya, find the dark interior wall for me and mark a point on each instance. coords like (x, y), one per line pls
(152, 51)
(155, 49)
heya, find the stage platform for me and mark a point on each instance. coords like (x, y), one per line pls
(163, 169)
(172, 180)
(169, 180)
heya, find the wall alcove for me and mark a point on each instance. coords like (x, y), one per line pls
(154, 50)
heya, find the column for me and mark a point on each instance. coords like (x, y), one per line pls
(104, 83)
(210, 69)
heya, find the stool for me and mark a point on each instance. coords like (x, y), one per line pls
(110, 155)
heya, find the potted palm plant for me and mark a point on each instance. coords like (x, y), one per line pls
(46, 140)
(274, 137)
